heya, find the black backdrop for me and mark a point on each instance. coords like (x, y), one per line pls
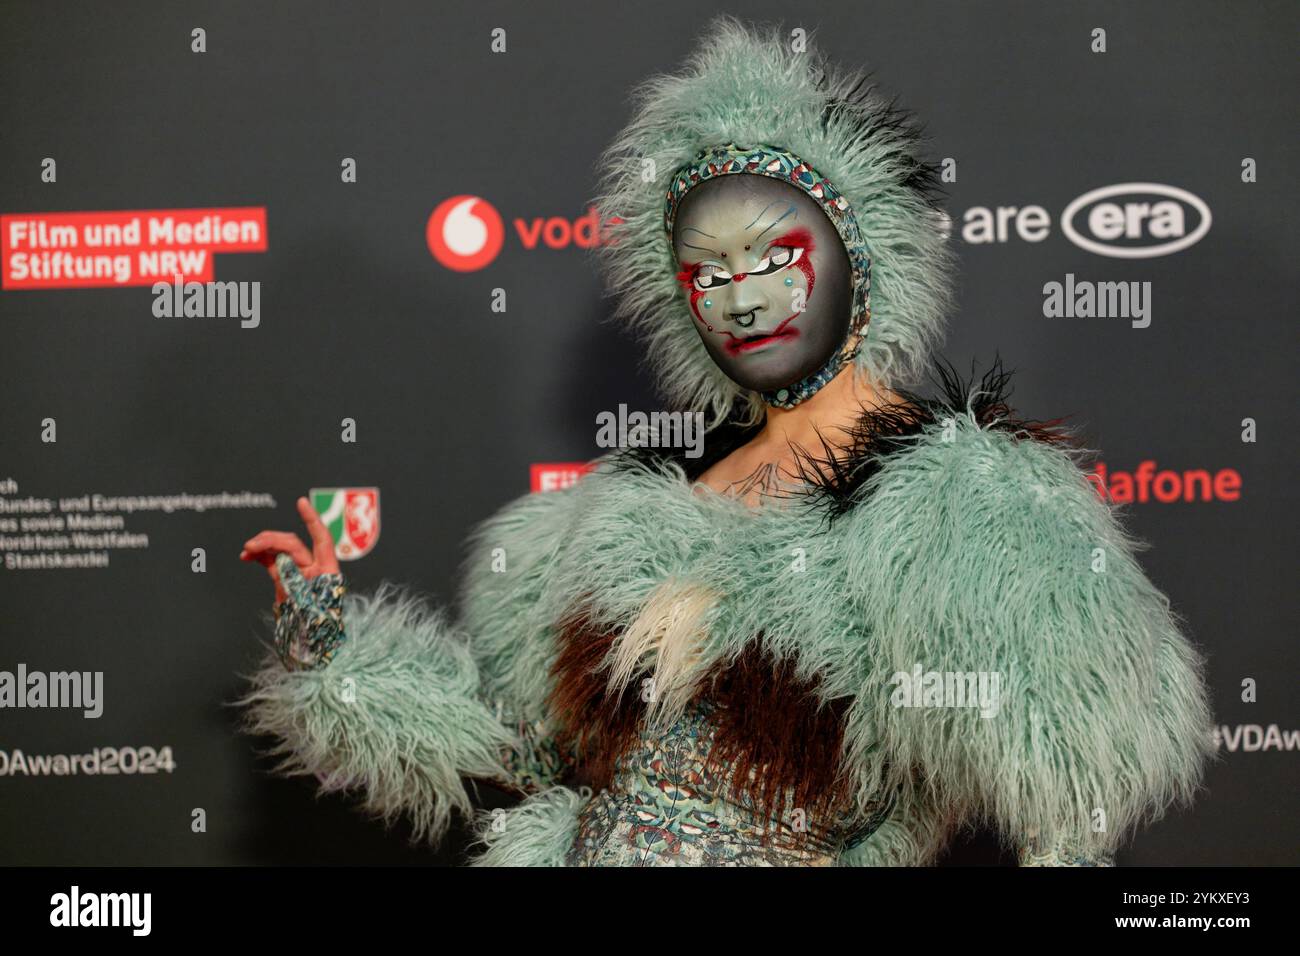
(453, 401)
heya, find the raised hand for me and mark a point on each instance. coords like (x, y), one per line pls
(266, 546)
(308, 591)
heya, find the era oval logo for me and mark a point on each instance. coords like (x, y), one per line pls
(465, 233)
(1123, 222)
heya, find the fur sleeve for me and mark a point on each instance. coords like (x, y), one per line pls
(912, 835)
(983, 555)
(410, 704)
(508, 608)
(396, 716)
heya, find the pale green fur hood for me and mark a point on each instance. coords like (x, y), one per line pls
(747, 85)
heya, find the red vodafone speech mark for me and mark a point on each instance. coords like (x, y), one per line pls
(465, 233)
(67, 250)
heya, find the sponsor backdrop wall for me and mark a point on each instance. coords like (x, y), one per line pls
(142, 446)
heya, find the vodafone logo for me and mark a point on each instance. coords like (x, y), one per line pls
(465, 233)
(1165, 485)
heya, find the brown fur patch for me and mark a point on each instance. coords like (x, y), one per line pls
(597, 724)
(775, 725)
(774, 733)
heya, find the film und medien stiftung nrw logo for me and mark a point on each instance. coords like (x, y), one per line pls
(352, 517)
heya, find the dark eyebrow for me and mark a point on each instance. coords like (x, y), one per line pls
(702, 233)
(790, 209)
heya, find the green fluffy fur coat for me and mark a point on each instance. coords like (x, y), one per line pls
(971, 551)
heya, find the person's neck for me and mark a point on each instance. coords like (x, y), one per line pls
(828, 413)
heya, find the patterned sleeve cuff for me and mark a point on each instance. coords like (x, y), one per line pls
(538, 761)
(1039, 852)
(309, 622)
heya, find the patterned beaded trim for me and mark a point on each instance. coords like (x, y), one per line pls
(1037, 852)
(781, 164)
(309, 622)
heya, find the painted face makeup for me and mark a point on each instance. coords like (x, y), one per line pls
(766, 276)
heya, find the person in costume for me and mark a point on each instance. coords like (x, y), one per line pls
(861, 620)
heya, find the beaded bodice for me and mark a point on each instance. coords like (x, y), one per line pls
(669, 804)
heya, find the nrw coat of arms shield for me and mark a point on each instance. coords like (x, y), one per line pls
(352, 516)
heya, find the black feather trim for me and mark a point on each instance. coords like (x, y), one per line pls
(835, 473)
